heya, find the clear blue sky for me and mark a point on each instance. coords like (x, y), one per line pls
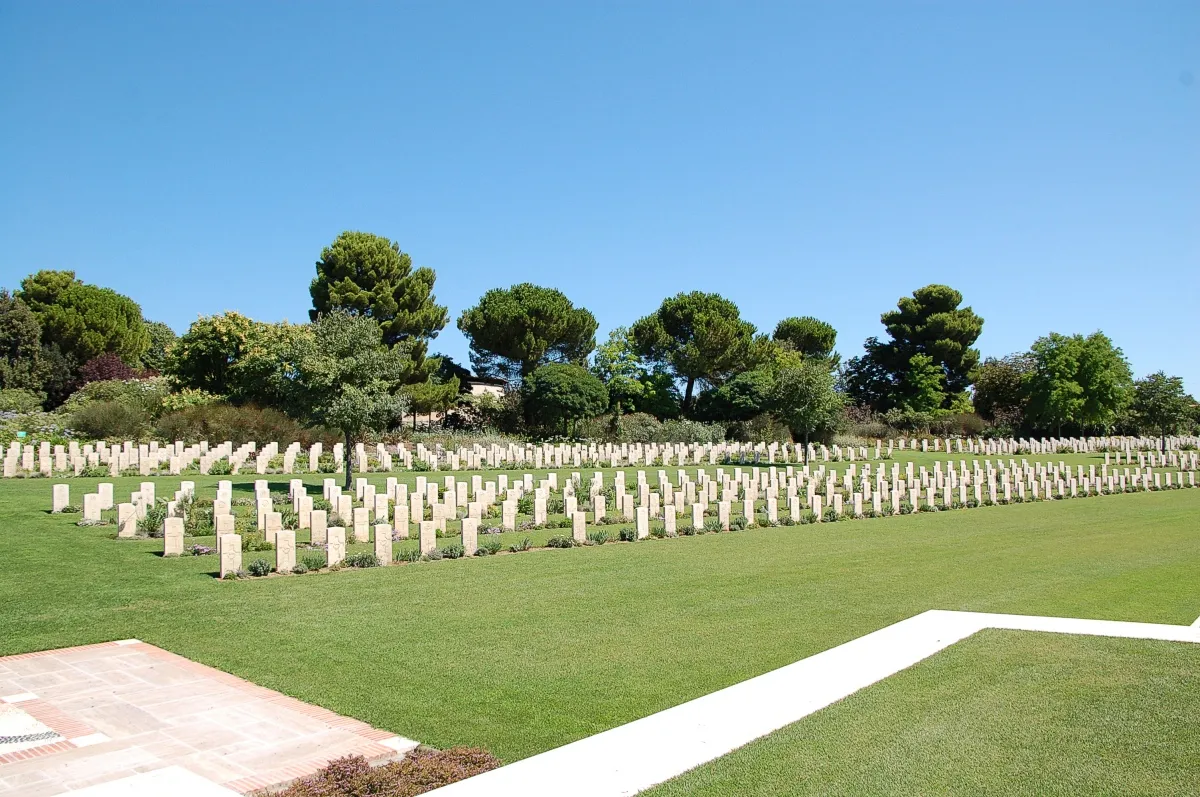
(801, 158)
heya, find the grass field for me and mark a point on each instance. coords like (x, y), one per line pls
(1002, 712)
(522, 653)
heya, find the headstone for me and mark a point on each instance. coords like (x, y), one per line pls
(173, 537)
(231, 554)
(62, 497)
(470, 536)
(383, 543)
(91, 507)
(127, 519)
(318, 521)
(362, 522)
(335, 546)
(428, 541)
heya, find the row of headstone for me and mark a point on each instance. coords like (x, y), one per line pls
(154, 458)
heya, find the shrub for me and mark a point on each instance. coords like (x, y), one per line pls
(259, 567)
(831, 515)
(454, 551)
(255, 543)
(713, 524)
(739, 523)
(598, 536)
(433, 556)
(363, 559)
(688, 531)
(152, 524)
(71, 509)
(299, 569)
(419, 771)
(627, 534)
(106, 367)
(105, 420)
(489, 547)
(20, 401)
(906, 508)
(407, 555)
(218, 421)
(559, 541)
(808, 516)
(658, 531)
(523, 545)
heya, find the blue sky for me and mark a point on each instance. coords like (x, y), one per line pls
(800, 158)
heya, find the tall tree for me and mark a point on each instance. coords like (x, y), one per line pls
(560, 393)
(20, 345)
(805, 399)
(929, 323)
(810, 337)
(162, 340)
(1161, 405)
(346, 377)
(205, 355)
(83, 320)
(365, 274)
(699, 337)
(1000, 394)
(515, 330)
(1077, 380)
(632, 385)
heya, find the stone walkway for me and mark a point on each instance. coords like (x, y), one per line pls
(633, 757)
(128, 709)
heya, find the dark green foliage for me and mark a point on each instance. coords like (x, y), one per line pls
(809, 337)
(559, 541)
(362, 559)
(804, 397)
(697, 337)
(740, 523)
(407, 555)
(85, 320)
(240, 425)
(104, 420)
(259, 567)
(21, 401)
(743, 397)
(523, 545)
(513, 331)
(558, 393)
(454, 551)
(598, 536)
(162, 340)
(1000, 394)
(1077, 380)
(633, 386)
(367, 275)
(627, 534)
(1160, 405)
(489, 547)
(21, 366)
(929, 324)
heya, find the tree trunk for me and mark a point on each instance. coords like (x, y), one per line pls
(346, 460)
(806, 448)
(687, 395)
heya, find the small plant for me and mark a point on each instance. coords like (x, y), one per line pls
(70, 509)
(220, 468)
(407, 555)
(289, 518)
(739, 523)
(434, 555)
(454, 551)
(886, 510)
(658, 531)
(363, 559)
(254, 542)
(200, 550)
(560, 541)
(259, 567)
(808, 517)
(831, 515)
(712, 525)
(313, 561)
(299, 569)
(906, 508)
(489, 547)
(523, 545)
(688, 531)
(627, 534)
(152, 524)
(598, 536)
(234, 575)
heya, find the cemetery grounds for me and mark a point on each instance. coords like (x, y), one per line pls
(521, 653)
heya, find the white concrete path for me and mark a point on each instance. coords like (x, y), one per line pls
(633, 757)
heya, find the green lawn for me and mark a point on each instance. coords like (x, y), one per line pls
(525, 652)
(1002, 712)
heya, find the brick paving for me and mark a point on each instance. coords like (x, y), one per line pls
(124, 708)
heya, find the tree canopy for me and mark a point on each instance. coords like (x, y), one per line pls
(162, 340)
(83, 320)
(365, 274)
(632, 385)
(1160, 404)
(930, 323)
(513, 331)
(698, 337)
(558, 393)
(20, 345)
(804, 398)
(1077, 380)
(344, 376)
(810, 337)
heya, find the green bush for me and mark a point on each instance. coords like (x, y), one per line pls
(523, 545)
(454, 551)
(489, 547)
(363, 559)
(144, 394)
(714, 525)
(831, 515)
(152, 524)
(739, 523)
(598, 536)
(299, 569)
(433, 556)
(808, 516)
(407, 555)
(111, 420)
(240, 425)
(20, 401)
(259, 567)
(627, 534)
(559, 541)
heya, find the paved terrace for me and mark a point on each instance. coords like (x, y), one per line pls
(101, 713)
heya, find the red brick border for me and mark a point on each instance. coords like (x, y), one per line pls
(55, 720)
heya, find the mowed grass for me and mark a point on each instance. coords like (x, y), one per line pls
(1000, 713)
(522, 653)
